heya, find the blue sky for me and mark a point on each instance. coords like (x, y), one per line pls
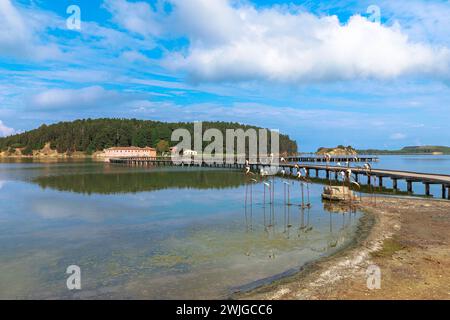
(324, 72)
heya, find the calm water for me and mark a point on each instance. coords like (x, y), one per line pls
(159, 233)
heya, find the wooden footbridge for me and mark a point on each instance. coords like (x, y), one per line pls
(332, 159)
(372, 176)
(379, 175)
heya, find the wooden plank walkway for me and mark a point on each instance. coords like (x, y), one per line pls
(395, 175)
(332, 159)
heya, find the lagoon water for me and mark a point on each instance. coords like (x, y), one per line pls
(153, 233)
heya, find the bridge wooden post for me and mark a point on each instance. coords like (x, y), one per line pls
(427, 189)
(335, 175)
(317, 173)
(409, 184)
(380, 181)
(356, 177)
(443, 192)
(395, 184)
(448, 193)
(369, 180)
(328, 174)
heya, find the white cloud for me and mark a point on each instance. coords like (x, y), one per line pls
(397, 136)
(13, 33)
(5, 131)
(18, 34)
(73, 75)
(238, 42)
(423, 20)
(89, 97)
(138, 17)
(134, 56)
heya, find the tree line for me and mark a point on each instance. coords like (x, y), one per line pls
(91, 135)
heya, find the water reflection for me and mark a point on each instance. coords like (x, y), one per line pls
(301, 220)
(133, 182)
(156, 234)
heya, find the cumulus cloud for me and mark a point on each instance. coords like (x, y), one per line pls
(18, 34)
(239, 42)
(88, 97)
(5, 131)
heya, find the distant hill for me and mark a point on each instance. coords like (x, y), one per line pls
(92, 135)
(410, 150)
(338, 151)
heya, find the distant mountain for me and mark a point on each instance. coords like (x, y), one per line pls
(410, 150)
(91, 135)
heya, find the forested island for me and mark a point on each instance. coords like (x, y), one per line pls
(88, 136)
(340, 150)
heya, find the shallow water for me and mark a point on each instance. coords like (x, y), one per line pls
(153, 233)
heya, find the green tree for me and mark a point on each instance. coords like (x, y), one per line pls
(91, 135)
(162, 146)
(27, 151)
(139, 138)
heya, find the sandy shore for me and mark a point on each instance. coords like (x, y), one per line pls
(408, 239)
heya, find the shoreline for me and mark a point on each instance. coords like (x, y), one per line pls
(59, 156)
(391, 235)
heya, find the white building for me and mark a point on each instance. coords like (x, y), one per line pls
(189, 152)
(125, 152)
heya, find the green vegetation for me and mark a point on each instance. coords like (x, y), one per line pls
(410, 150)
(162, 146)
(93, 135)
(390, 247)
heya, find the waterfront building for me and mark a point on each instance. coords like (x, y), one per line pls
(189, 153)
(124, 152)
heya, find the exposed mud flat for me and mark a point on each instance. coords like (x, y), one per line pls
(408, 239)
